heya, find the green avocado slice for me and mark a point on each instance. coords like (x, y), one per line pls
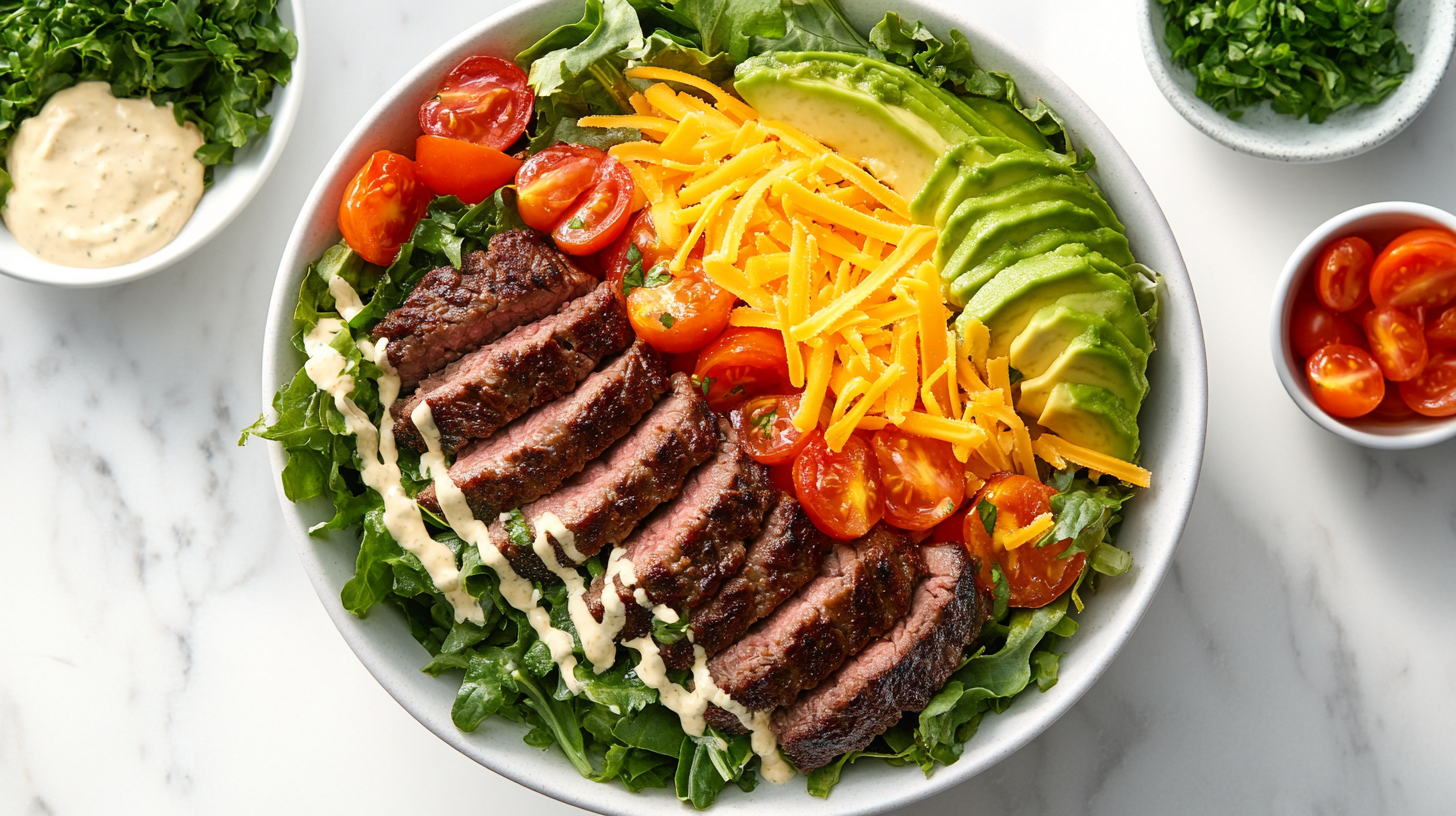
(965, 157)
(1033, 190)
(1093, 418)
(962, 285)
(1055, 326)
(1003, 170)
(1092, 358)
(968, 243)
(1009, 120)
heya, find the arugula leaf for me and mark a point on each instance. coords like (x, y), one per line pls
(728, 26)
(217, 63)
(1306, 59)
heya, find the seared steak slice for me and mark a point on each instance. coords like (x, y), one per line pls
(784, 557)
(895, 674)
(861, 590)
(604, 503)
(533, 365)
(519, 279)
(682, 554)
(535, 454)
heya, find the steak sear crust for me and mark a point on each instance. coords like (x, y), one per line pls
(533, 455)
(519, 279)
(533, 365)
(604, 503)
(897, 673)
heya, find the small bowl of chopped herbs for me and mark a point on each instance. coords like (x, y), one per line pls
(1298, 80)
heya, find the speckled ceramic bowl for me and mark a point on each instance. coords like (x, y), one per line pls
(233, 187)
(1174, 419)
(1377, 223)
(1427, 26)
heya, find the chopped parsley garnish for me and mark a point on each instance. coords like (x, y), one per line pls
(987, 511)
(666, 320)
(1310, 59)
(764, 421)
(703, 384)
(577, 223)
(635, 278)
(737, 389)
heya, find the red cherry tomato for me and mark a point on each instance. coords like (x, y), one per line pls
(1415, 270)
(1035, 575)
(1398, 343)
(1312, 327)
(1345, 380)
(550, 183)
(766, 428)
(743, 363)
(952, 529)
(923, 481)
(1392, 408)
(600, 215)
(381, 207)
(1343, 274)
(641, 234)
(468, 171)
(484, 100)
(782, 477)
(682, 314)
(840, 491)
(1433, 392)
(1441, 331)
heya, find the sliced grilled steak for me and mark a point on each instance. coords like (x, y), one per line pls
(895, 674)
(533, 365)
(519, 279)
(784, 557)
(605, 502)
(861, 590)
(688, 548)
(534, 455)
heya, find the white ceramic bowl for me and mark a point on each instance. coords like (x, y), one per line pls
(232, 188)
(1427, 26)
(1174, 421)
(1377, 223)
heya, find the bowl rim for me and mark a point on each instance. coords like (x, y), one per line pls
(286, 102)
(1285, 296)
(1265, 145)
(1186, 384)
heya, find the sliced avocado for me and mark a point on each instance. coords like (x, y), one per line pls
(1031, 191)
(1054, 327)
(1009, 120)
(1118, 309)
(1091, 417)
(1007, 302)
(964, 284)
(1092, 358)
(964, 244)
(1005, 169)
(975, 152)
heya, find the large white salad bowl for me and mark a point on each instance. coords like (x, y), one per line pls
(1174, 421)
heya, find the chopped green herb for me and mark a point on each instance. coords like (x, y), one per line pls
(703, 384)
(1014, 375)
(764, 421)
(576, 223)
(666, 320)
(737, 389)
(635, 278)
(987, 511)
(1308, 58)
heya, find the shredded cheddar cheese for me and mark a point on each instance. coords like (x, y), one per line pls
(1031, 532)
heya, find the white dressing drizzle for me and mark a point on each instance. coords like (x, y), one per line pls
(346, 300)
(328, 370)
(598, 639)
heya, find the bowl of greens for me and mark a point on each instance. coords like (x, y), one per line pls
(1298, 82)
(616, 748)
(232, 74)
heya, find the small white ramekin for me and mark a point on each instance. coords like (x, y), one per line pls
(1378, 223)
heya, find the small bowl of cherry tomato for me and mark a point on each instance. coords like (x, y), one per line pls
(1364, 326)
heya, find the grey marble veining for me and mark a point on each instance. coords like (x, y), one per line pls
(162, 653)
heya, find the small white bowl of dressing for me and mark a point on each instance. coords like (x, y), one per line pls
(232, 188)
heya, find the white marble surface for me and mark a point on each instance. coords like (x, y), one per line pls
(162, 653)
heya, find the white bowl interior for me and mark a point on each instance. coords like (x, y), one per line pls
(1174, 422)
(1428, 27)
(232, 188)
(1377, 223)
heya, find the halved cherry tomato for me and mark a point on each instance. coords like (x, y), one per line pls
(484, 100)
(468, 171)
(1343, 273)
(1392, 408)
(840, 491)
(923, 481)
(381, 207)
(1415, 271)
(952, 529)
(600, 215)
(782, 477)
(550, 182)
(1312, 327)
(1345, 380)
(1398, 343)
(682, 314)
(1035, 575)
(743, 363)
(766, 428)
(642, 235)
(1433, 393)
(1441, 331)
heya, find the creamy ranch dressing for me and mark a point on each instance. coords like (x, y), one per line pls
(101, 181)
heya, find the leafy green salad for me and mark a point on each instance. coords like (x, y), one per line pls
(616, 728)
